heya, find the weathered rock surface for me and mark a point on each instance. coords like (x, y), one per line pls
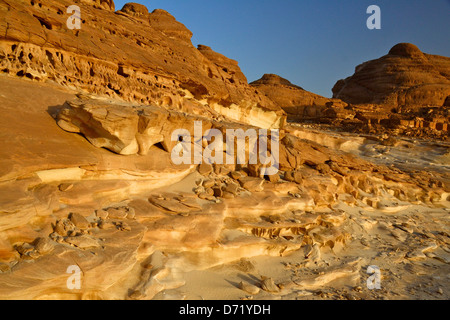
(131, 55)
(103, 197)
(114, 214)
(403, 77)
(299, 104)
(136, 10)
(403, 93)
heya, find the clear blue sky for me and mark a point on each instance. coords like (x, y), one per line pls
(312, 43)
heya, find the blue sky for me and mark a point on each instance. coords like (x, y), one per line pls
(312, 43)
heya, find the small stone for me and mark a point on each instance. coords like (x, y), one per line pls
(269, 285)
(252, 184)
(33, 254)
(209, 191)
(323, 168)
(399, 235)
(298, 177)
(209, 184)
(136, 295)
(203, 195)
(416, 255)
(231, 188)
(74, 233)
(364, 242)
(205, 169)
(357, 289)
(79, 221)
(289, 176)
(4, 267)
(63, 227)
(24, 248)
(249, 288)
(224, 170)
(350, 296)
(275, 218)
(228, 195)
(440, 291)
(83, 242)
(254, 170)
(199, 190)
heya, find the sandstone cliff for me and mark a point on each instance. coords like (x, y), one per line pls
(129, 54)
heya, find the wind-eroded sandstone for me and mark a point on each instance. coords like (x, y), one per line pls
(88, 183)
(405, 76)
(131, 55)
(299, 104)
(137, 223)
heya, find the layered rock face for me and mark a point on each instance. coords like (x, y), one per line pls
(130, 54)
(299, 104)
(404, 77)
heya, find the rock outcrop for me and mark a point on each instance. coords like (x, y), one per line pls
(402, 93)
(145, 222)
(164, 22)
(299, 104)
(131, 55)
(93, 205)
(404, 77)
(100, 4)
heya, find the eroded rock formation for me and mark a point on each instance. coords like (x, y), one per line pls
(403, 93)
(130, 55)
(404, 77)
(87, 180)
(299, 104)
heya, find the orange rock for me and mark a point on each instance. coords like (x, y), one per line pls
(405, 76)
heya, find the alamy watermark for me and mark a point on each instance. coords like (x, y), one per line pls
(374, 281)
(74, 281)
(74, 21)
(188, 151)
(374, 21)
